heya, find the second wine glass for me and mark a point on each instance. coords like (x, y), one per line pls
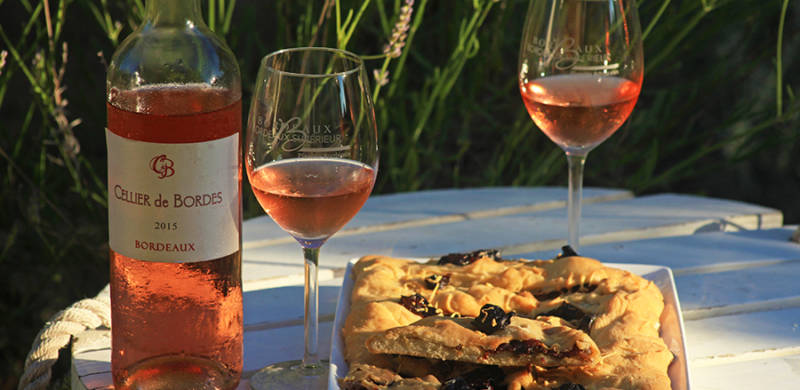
(312, 159)
(580, 73)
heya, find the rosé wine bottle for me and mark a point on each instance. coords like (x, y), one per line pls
(174, 203)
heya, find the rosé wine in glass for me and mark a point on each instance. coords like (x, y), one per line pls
(312, 198)
(579, 110)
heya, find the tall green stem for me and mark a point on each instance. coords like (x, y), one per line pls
(345, 29)
(779, 61)
(655, 19)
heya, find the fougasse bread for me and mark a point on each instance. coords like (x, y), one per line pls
(476, 320)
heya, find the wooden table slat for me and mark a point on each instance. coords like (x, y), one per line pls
(698, 253)
(771, 373)
(439, 206)
(759, 334)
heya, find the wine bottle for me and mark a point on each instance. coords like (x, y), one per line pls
(174, 204)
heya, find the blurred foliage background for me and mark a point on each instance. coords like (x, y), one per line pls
(718, 116)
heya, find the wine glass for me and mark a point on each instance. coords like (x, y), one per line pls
(311, 158)
(580, 73)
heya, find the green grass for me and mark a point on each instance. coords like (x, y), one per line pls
(718, 116)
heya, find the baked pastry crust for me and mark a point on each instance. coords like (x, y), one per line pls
(368, 377)
(457, 339)
(610, 313)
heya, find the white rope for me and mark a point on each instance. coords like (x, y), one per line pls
(90, 313)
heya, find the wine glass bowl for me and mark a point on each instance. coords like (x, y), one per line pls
(312, 143)
(311, 158)
(579, 111)
(580, 74)
(312, 198)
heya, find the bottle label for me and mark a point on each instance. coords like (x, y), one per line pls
(173, 202)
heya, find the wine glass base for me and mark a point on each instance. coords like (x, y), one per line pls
(291, 375)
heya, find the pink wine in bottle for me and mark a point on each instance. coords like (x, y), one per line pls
(579, 111)
(312, 198)
(174, 203)
(175, 286)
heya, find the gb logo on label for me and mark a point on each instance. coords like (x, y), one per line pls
(162, 166)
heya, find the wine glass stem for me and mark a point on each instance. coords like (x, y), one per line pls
(575, 163)
(311, 303)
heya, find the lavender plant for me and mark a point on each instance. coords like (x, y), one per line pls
(394, 48)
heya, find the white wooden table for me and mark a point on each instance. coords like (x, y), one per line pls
(737, 273)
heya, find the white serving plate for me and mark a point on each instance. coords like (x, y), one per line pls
(671, 323)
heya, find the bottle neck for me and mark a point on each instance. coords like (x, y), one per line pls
(173, 12)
